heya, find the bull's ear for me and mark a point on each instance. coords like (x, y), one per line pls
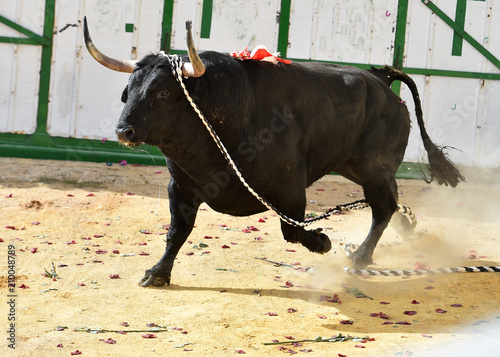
(125, 95)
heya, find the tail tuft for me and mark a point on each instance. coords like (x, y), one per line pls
(440, 167)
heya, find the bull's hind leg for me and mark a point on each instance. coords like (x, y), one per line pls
(380, 192)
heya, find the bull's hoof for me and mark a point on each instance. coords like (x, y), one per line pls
(317, 242)
(152, 278)
(403, 225)
(359, 261)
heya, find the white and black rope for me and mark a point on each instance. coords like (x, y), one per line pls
(370, 272)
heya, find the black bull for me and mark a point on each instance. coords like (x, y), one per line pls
(285, 125)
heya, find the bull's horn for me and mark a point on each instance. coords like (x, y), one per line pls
(114, 64)
(196, 68)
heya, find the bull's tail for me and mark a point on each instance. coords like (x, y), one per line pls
(440, 167)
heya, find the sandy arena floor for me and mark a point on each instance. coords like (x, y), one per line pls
(100, 227)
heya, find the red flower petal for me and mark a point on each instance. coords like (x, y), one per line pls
(9, 195)
(110, 341)
(261, 220)
(240, 352)
(415, 302)
(98, 235)
(101, 251)
(22, 286)
(90, 195)
(383, 316)
(429, 287)
(322, 317)
(421, 266)
(33, 250)
(403, 323)
(272, 314)
(225, 247)
(384, 303)
(77, 352)
(456, 305)
(143, 243)
(60, 345)
(291, 310)
(143, 253)
(190, 253)
(115, 276)
(291, 250)
(148, 335)
(359, 346)
(441, 311)
(124, 324)
(346, 322)
(116, 251)
(410, 313)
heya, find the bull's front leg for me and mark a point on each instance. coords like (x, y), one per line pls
(183, 209)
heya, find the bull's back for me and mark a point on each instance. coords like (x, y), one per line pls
(330, 108)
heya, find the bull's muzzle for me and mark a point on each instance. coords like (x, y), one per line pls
(126, 136)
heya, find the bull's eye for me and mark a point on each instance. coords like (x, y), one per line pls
(163, 95)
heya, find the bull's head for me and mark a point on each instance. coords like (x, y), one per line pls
(150, 84)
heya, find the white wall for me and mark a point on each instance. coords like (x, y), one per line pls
(20, 67)
(85, 97)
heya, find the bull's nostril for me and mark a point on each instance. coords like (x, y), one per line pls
(125, 134)
(129, 134)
